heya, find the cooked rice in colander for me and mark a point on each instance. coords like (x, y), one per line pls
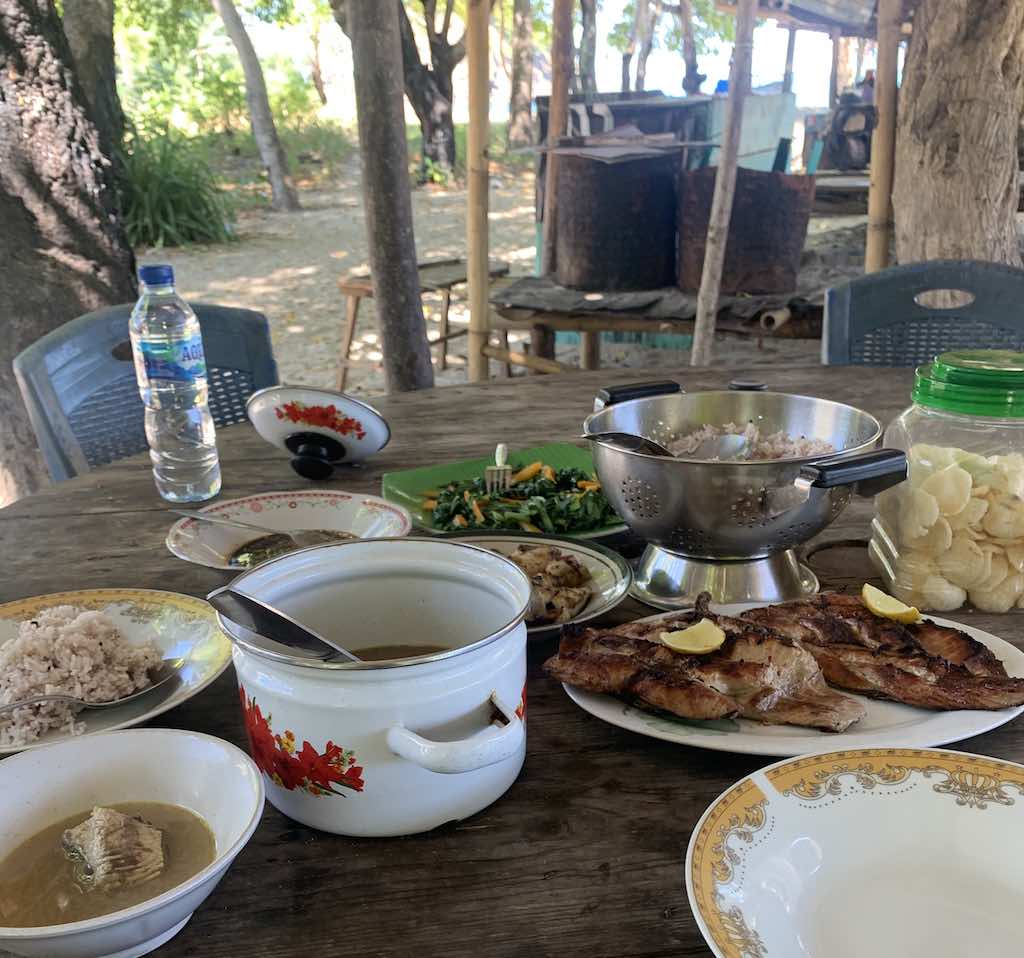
(777, 445)
(68, 651)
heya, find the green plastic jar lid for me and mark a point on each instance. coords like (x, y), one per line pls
(974, 382)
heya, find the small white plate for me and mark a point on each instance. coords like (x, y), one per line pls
(210, 545)
(180, 625)
(886, 724)
(888, 853)
(278, 412)
(611, 575)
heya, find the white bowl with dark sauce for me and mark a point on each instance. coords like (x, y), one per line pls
(203, 795)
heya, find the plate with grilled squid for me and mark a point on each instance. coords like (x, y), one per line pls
(573, 581)
(793, 678)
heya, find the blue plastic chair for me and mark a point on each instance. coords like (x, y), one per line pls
(875, 320)
(78, 383)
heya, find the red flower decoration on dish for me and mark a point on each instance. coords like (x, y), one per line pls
(322, 417)
(291, 767)
(521, 707)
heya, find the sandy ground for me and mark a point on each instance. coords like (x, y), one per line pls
(287, 266)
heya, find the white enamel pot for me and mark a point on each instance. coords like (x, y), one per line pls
(388, 747)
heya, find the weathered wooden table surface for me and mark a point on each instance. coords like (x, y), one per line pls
(584, 855)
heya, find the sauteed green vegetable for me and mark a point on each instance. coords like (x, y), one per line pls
(541, 499)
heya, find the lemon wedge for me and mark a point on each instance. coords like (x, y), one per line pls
(698, 639)
(885, 605)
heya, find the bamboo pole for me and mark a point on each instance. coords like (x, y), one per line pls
(833, 82)
(725, 187)
(558, 115)
(787, 75)
(477, 275)
(883, 140)
(537, 364)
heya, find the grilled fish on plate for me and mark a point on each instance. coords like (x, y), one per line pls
(756, 674)
(923, 664)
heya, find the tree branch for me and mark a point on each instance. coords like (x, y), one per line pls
(449, 5)
(430, 19)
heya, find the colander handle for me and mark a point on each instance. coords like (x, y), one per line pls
(611, 395)
(871, 471)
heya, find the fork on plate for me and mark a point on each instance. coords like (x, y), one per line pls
(498, 478)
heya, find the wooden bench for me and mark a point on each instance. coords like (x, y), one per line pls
(437, 276)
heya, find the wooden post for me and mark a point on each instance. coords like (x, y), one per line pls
(883, 140)
(725, 187)
(558, 115)
(833, 83)
(477, 240)
(787, 75)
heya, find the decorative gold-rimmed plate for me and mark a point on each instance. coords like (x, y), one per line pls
(885, 724)
(881, 852)
(180, 625)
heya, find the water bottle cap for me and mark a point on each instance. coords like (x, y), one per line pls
(160, 275)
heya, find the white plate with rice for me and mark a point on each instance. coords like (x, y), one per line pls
(96, 644)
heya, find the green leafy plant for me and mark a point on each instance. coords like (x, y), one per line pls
(170, 196)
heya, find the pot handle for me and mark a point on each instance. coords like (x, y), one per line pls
(870, 472)
(610, 395)
(494, 744)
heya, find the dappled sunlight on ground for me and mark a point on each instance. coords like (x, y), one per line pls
(287, 266)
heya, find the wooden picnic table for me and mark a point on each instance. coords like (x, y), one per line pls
(584, 855)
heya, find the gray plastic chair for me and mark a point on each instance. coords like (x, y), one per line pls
(875, 320)
(78, 383)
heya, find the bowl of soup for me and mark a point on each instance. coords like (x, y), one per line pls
(109, 844)
(429, 727)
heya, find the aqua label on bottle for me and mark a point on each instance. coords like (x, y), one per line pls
(182, 361)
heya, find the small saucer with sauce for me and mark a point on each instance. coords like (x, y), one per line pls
(337, 515)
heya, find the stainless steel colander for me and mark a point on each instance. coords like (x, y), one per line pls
(721, 511)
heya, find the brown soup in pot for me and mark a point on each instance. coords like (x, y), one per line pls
(379, 653)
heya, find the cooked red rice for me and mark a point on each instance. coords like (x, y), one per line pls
(69, 651)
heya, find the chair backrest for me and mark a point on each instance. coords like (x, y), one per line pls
(875, 320)
(78, 383)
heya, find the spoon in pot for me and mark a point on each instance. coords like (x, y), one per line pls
(722, 447)
(265, 620)
(159, 676)
(630, 442)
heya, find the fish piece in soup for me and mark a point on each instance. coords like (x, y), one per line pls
(114, 850)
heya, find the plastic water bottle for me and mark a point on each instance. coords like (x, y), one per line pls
(171, 370)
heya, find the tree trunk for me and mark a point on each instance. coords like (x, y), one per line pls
(847, 71)
(62, 245)
(375, 31)
(315, 69)
(430, 94)
(648, 13)
(588, 46)
(520, 124)
(283, 195)
(627, 56)
(955, 193)
(693, 78)
(89, 28)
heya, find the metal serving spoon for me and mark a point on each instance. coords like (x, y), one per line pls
(721, 447)
(630, 442)
(301, 537)
(167, 670)
(263, 619)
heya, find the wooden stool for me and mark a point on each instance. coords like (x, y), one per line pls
(438, 276)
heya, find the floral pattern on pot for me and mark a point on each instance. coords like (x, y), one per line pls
(322, 417)
(286, 764)
(521, 707)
